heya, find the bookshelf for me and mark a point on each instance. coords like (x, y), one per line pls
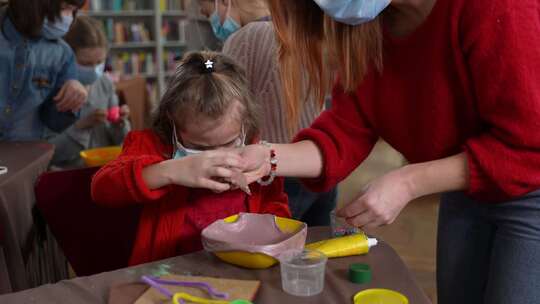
(146, 36)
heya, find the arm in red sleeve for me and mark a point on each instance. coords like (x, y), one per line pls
(120, 182)
(343, 137)
(501, 42)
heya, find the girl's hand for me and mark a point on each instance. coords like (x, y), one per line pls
(257, 161)
(381, 201)
(97, 117)
(124, 112)
(209, 170)
(72, 96)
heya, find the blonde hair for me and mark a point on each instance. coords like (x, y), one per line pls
(198, 90)
(251, 9)
(310, 48)
(86, 32)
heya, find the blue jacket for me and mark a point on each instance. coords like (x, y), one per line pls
(31, 73)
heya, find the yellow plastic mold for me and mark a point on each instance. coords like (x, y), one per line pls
(257, 260)
(100, 156)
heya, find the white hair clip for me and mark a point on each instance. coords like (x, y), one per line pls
(209, 64)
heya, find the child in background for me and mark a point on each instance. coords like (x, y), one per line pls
(95, 128)
(38, 76)
(180, 170)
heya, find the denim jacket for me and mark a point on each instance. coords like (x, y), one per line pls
(31, 73)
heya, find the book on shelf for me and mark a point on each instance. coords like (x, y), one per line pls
(119, 5)
(174, 30)
(122, 31)
(132, 64)
(172, 5)
(170, 60)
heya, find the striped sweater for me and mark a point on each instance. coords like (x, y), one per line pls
(254, 47)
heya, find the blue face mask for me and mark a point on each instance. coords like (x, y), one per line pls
(229, 26)
(57, 29)
(353, 12)
(87, 75)
(181, 151)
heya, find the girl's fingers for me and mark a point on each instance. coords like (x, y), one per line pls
(228, 160)
(214, 185)
(60, 94)
(221, 172)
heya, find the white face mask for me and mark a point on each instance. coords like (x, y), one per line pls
(181, 151)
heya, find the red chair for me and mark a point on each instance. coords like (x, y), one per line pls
(94, 239)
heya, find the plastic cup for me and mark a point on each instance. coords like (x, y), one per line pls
(340, 227)
(302, 272)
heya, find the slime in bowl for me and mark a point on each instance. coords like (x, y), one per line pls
(253, 240)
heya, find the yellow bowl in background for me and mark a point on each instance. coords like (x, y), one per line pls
(100, 156)
(257, 260)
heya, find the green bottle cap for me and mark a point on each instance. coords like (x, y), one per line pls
(359, 273)
(241, 302)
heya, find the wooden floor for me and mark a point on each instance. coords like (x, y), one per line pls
(413, 234)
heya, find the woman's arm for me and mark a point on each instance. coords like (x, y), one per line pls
(384, 198)
(302, 159)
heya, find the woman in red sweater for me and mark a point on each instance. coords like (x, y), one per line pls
(181, 169)
(454, 85)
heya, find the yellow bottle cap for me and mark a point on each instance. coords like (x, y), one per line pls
(377, 296)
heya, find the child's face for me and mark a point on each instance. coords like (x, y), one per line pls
(203, 133)
(91, 56)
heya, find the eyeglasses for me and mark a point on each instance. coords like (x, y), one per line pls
(236, 143)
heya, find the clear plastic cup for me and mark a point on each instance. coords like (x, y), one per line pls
(302, 272)
(340, 227)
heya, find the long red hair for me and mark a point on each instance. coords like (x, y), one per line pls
(314, 47)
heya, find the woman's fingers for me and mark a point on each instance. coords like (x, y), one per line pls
(355, 208)
(361, 220)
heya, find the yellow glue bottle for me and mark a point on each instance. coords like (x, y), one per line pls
(344, 246)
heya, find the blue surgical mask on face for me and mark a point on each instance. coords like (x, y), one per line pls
(353, 12)
(181, 151)
(229, 26)
(57, 29)
(87, 75)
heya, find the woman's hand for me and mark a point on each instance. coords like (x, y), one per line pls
(381, 201)
(257, 161)
(72, 96)
(91, 120)
(210, 170)
(385, 197)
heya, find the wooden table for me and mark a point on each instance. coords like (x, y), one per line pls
(24, 262)
(388, 272)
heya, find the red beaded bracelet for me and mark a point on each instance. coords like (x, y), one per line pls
(267, 180)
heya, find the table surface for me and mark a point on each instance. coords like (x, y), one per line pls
(388, 272)
(19, 156)
(25, 162)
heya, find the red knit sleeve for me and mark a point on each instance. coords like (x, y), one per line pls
(343, 137)
(120, 182)
(274, 200)
(501, 42)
